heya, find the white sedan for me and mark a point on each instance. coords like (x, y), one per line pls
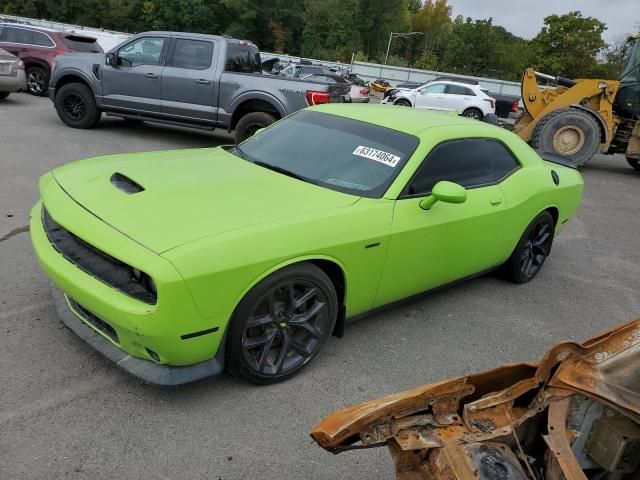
(468, 100)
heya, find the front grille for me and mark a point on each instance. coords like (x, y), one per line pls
(95, 262)
(94, 320)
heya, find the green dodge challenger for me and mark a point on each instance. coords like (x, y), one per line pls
(176, 265)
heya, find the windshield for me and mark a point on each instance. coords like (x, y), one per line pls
(332, 151)
(631, 69)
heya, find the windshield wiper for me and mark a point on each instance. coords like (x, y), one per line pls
(283, 171)
(241, 152)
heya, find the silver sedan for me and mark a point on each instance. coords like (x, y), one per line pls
(12, 76)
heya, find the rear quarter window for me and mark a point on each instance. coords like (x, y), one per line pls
(82, 44)
(42, 40)
(243, 58)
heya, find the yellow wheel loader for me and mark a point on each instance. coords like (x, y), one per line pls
(579, 118)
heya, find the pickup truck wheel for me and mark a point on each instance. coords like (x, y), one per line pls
(76, 106)
(634, 163)
(251, 123)
(3, 95)
(37, 81)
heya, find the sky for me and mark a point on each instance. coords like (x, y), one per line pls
(621, 16)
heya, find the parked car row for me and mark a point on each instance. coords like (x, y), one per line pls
(38, 46)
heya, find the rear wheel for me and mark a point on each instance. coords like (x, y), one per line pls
(473, 113)
(403, 103)
(634, 162)
(37, 81)
(76, 106)
(532, 250)
(251, 123)
(281, 324)
(4, 95)
(568, 132)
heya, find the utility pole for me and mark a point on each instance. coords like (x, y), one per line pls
(398, 34)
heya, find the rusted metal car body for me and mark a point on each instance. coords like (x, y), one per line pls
(575, 415)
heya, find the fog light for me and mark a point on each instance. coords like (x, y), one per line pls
(154, 356)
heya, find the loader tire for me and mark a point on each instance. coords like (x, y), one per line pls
(568, 132)
(634, 163)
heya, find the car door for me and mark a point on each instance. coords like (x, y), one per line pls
(431, 97)
(448, 242)
(188, 87)
(457, 97)
(134, 82)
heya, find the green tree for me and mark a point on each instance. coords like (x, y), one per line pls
(477, 47)
(433, 19)
(569, 45)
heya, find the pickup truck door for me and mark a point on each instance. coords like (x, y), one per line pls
(134, 83)
(431, 97)
(189, 89)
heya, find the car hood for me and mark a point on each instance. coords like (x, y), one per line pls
(166, 199)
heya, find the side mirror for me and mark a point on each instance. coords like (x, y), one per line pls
(444, 191)
(111, 59)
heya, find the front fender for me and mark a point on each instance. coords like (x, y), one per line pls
(67, 73)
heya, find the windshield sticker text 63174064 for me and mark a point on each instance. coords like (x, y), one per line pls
(387, 158)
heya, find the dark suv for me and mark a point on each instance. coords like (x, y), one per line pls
(37, 47)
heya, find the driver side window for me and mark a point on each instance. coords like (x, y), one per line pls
(143, 51)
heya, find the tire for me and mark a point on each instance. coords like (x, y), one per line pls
(4, 95)
(532, 250)
(634, 163)
(473, 113)
(403, 103)
(76, 106)
(568, 132)
(37, 81)
(250, 123)
(260, 328)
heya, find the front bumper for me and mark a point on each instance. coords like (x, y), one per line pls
(145, 370)
(167, 335)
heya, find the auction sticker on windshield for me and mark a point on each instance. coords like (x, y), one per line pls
(378, 155)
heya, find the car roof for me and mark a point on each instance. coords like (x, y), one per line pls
(204, 36)
(31, 27)
(403, 119)
(451, 82)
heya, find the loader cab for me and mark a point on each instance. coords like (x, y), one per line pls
(627, 103)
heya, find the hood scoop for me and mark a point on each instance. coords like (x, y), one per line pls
(125, 184)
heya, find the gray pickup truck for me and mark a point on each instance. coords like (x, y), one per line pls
(194, 80)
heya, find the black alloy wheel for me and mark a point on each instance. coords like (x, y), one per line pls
(533, 249)
(282, 324)
(74, 107)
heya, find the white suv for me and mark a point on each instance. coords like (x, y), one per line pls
(468, 100)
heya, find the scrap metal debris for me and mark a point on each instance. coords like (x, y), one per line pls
(575, 415)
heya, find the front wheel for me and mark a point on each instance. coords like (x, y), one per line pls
(569, 132)
(251, 123)
(76, 106)
(281, 324)
(634, 163)
(532, 250)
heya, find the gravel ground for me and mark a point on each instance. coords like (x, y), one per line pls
(65, 412)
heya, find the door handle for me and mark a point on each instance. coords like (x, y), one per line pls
(151, 75)
(203, 81)
(495, 201)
